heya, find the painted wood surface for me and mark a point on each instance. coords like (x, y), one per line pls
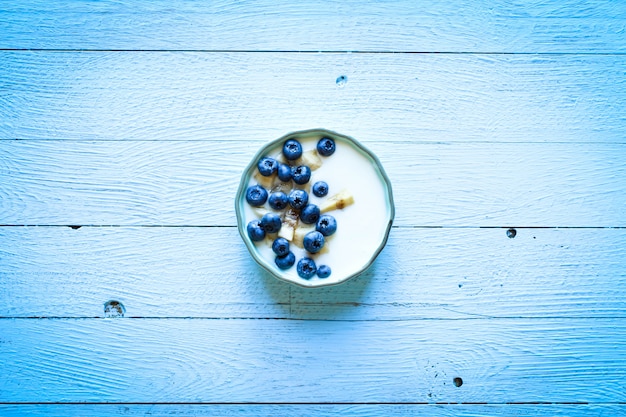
(134, 120)
(194, 183)
(314, 25)
(324, 410)
(248, 96)
(282, 361)
(206, 272)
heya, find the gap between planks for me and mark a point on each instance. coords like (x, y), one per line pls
(78, 226)
(296, 51)
(296, 319)
(365, 142)
(316, 403)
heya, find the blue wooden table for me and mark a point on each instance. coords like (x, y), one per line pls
(126, 290)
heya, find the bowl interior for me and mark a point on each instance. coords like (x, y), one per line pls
(362, 228)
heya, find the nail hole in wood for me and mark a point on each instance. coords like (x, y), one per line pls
(341, 80)
(511, 233)
(113, 309)
(457, 381)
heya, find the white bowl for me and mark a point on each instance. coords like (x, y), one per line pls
(363, 227)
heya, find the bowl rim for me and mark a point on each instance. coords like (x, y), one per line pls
(243, 185)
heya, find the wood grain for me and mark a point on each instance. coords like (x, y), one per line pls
(194, 183)
(313, 25)
(207, 272)
(322, 410)
(249, 96)
(233, 361)
(144, 113)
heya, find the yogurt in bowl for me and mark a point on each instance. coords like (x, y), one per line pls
(293, 193)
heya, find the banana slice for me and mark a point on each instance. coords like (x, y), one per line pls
(260, 211)
(285, 187)
(273, 183)
(322, 251)
(300, 232)
(270, 238)
(281, 158)
(265, 182)
(290, 223)
(310, 158)
(306, 187)
(298, 238)
(337, 202)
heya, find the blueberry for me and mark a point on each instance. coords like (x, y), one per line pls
(284, 172)
(281, 246)
(306, 268)
(313, 242)
(270, 222)
(255, 231)
(320, 189)
(278, 200)
(326, 225)
(286, 261)
(298, 199)
(292, 149)
(256, 195)
(301, 174)
(323, 271)
(326, 147)
(310, 214)
(267, 166)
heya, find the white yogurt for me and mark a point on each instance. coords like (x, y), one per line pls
(361, 227)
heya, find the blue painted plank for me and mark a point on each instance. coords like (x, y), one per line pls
(194, 182)
(313, 25)
(321, 410)
(238, 96)
(207, 272)
(233, 361)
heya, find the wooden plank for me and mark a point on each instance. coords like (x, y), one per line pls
(233, 361)
(500, 26)
(193, 183)
(152, 271)
(322, 410)
(207, 272)
(249, 96)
